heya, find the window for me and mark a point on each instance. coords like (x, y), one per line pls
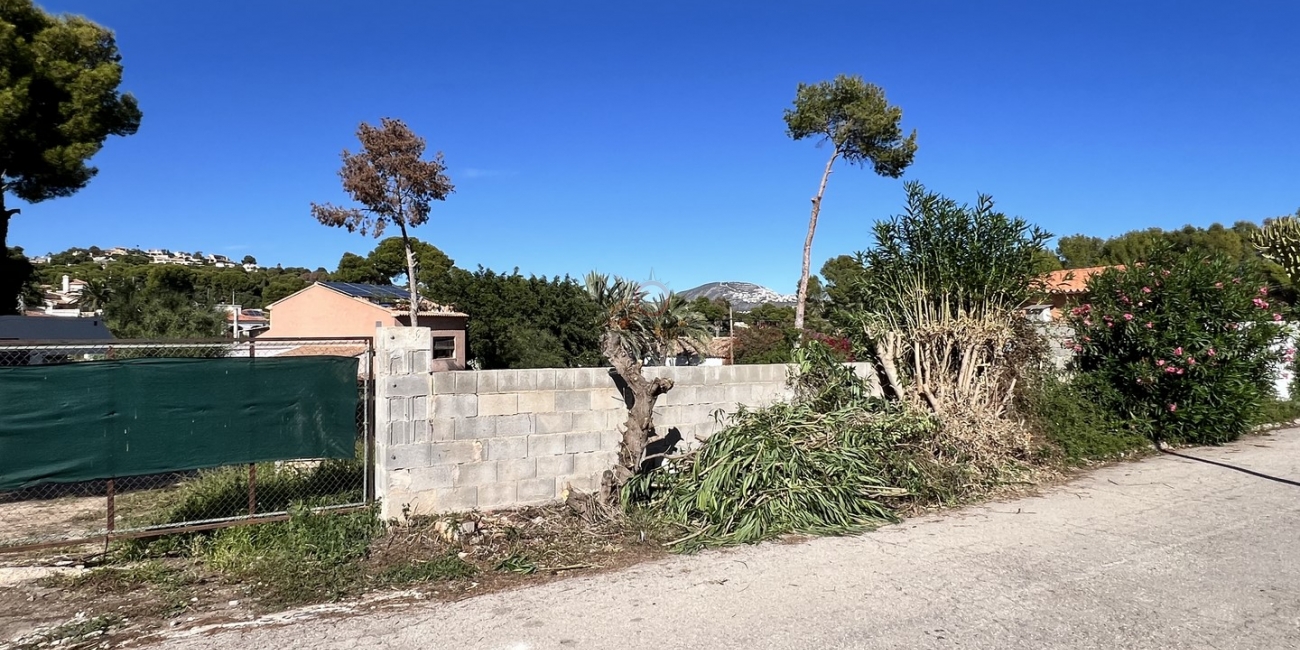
(444, 348)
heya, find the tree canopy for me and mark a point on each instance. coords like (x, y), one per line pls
(59, 101)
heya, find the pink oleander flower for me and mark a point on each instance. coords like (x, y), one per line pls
(1191, 361)
(1130, 316)
(1263, 291)
(1218, 285)
(1087, 322)
(1178, 371)
(1165, 272)
(1210, 351)
(1146, 289)
(1178, 351)
(1173, 407)
(1160, 362)
(1170, 369)
(1150, 325)
(1277, 316)
(1260, 303)
(1078, 348)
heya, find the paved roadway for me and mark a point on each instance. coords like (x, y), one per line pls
(1165, 553)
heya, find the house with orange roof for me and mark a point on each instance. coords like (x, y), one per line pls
(1062, 290)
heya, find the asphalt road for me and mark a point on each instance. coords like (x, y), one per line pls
(1164, 553)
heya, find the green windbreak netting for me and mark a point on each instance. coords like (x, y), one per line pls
(102, 419)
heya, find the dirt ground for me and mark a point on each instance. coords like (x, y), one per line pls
(40, 520)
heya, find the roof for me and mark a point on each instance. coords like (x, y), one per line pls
(29, 328)
(1072, 281)
(382, 296)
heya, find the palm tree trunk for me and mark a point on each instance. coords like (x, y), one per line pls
(807, 244)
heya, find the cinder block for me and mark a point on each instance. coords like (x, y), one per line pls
(586, 378)
(420, 431)
(487, 381)
(393, 362)
(424, 479)
(473, 428)
(444, 383)
(420, 360)
(399, 432)
(455, 406)
(498, 495)
(536, 490)
(573, 400)
(713, 394)
(515, 381)
(576, 443)
(503, 448)
(553, 422)
(515, 425)
(399, 409)
(593, 463)
(713, 374)
(442, 429)
(686, 375)
(420, 407)
(565, 378)
(466, 381)
(481, 473)
(610, 440)
(589, 421)
(456, 499)
(545, 378)
(406, 456)
(741, 393)
(498, 404)
(407, 385)
(517, 469)
(615, 419)
(604, 398)
(546, 445)
(579, 482)
(537, 401)
(552, 466)
(455, 453)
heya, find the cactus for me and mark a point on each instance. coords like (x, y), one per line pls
(1279, 241)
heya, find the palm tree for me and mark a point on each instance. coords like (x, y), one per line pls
(671, 322)
(95, 295)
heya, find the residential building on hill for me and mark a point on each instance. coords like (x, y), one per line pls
(344, 309)
(1063, 290)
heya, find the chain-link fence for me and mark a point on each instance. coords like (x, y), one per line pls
(55, 514)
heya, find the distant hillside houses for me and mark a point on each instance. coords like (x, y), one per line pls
(153, 255)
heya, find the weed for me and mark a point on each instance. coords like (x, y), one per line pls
(445, 567)
(309, 557)
(1072, 423)
(517, 563)
(70, 634)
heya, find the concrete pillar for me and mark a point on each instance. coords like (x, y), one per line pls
(402, 391)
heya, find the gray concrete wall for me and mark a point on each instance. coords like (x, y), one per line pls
(450, 441)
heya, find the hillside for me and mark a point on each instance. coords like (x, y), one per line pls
(743, 296)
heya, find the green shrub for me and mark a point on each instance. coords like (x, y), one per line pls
(1070, 420)
(307, 558)
(223, 492)
(1179, 346)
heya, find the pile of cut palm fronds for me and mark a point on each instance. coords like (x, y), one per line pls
(789, 468)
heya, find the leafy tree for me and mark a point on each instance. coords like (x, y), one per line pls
(1080, 251)
(25, 289)
(162, 306)
(717, 312)
(282, 286)
(389, 260)
(765, 344)
(394, 185)
(59, 101)
(671, 322)
(96, 295)
(249, 259)
(861, 126)
(358, 269)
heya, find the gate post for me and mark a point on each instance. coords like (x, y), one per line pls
(403, 384)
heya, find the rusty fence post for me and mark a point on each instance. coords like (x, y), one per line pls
(112, 513)
(252, 489)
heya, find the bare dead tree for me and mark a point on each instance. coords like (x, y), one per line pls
(394, 184)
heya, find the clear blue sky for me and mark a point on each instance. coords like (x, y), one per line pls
(647, 136)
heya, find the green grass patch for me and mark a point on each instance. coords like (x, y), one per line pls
(445, 567)
(1075, 426)
(309, 558)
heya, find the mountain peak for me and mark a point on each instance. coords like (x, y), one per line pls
(743, 296)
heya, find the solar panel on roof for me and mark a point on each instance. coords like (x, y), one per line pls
(368, 290)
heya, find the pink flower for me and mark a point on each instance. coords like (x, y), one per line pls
(1173, 407)
(1263, 291)
(1160, 362)
(1078, 348)
(1165, 272)
(1210, 351)
(1169, 369)
(1139, 380)
(1109, 324)
(1146, 289)
(1178, 371)
(1150, 325)
(1087, 322)
(1218, 285)
(1178, 351)
(1130, 316)
(1087, 339)
(1277, 316)
(1140, 303)
(1262, 304)
(1191, 361)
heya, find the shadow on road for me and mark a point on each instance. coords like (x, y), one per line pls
(1231, 467)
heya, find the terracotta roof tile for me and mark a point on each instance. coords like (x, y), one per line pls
(1072, 281)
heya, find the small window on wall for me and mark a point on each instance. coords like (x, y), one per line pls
(444, 348)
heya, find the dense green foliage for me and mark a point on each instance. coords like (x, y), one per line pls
(1179, 347)
(521, 321)
(1072, 423)
(59, 101)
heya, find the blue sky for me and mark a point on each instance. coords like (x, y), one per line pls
(646, 137)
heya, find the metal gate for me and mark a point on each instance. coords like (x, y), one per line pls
(52, 514)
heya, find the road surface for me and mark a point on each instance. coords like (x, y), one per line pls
(1164, 553)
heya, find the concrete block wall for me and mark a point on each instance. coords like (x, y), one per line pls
(463, 440)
